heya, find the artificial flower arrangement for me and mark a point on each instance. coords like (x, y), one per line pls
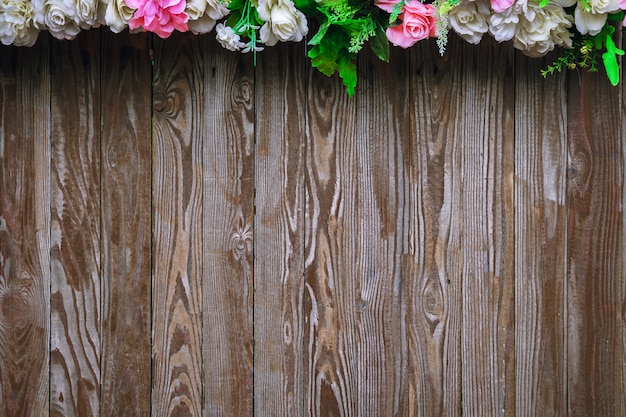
(584, 29)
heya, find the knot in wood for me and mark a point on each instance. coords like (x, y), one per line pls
(160, 101)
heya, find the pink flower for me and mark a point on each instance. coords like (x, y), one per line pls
(386, 5)
(501, 5)
(418, 22)
(159, 16)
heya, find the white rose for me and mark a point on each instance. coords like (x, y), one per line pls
(283, 22)
(541, 28)
(469, 19)
(17, 23)
(502, 25)
(58, 16)
(86, 13)
(117, 15)
(227, 37)
(203, 14)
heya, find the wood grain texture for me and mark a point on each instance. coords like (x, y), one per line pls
(482, 185)
(540, 233)
(24, 230)
(178, 100)
(75, 221)
(431, 288)
(125, 201)
(330, 296)
(595, 274)
(279, 224)
(355, 233)
(228, 215)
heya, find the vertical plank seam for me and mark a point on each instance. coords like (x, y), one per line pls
(566, 199)
(152, 72)
(101, 223)
(49, 142)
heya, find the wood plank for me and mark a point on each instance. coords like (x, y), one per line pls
(228, 215)
(24, 230)
(75, 220)
(481, 188)
(431, 287)
(356, 215)
(178, 98)
(279, 224)
(595, 273)
(383, 147)
(330, 296)
(540, 236)
(125, 200)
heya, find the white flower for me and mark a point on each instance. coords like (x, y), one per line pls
(17, 23)
(203, 14)
(502, 25)
(469, 19)
(58, 16)
(591, 20)
(86, 13)
(227, 37)
(117, 14)
(541, 28)
(283, 22)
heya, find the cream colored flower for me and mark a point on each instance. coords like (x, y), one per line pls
(57, 17)
(541, 28)
(470, 19)
(502, 25)
(590, 18)
(117, 14)
(283, 22)
(203, 14)
(17, 24)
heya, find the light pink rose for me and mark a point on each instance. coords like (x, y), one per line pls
(499, 6)
(386, 5)
(418, 22)
(159, 16)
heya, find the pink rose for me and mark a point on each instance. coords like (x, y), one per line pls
(159, 16)
(386, 5)
(418, 22)
(501, 5)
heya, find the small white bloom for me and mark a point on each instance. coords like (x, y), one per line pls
(470, 19)
(227, 37)
(17, 24)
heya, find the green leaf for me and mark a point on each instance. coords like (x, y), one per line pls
(610, 60)
(544, 3)
(380, 44)
(320, 34)
(235, 5)
(347, 72)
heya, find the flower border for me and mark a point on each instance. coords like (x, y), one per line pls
(583, 30)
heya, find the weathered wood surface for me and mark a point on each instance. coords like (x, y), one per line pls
(126, 234)
(185, 234)
(75, 344)
(24, 231)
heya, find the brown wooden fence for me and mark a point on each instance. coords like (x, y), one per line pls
(183, 234)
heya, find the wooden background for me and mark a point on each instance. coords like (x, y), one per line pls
(183, 234)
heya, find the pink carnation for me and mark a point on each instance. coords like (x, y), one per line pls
(159, 16)
(418, 22)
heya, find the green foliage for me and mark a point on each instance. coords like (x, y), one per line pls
(587, 50)
(345, 26)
